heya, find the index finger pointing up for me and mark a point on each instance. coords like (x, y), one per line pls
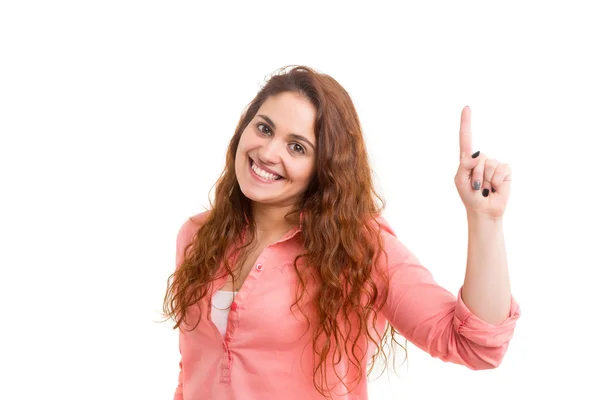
(465, 131)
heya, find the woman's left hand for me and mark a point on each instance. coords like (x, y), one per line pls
(489, 199)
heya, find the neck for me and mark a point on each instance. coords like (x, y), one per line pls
(270, 220)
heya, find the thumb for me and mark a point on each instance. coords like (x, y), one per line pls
(467, 163)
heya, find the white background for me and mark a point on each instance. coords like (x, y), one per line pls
(115, 117)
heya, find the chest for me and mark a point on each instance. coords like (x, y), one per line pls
(243, 267)
(262, 312)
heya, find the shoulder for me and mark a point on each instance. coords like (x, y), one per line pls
(191, 226)
(186, 234)
(396, 251)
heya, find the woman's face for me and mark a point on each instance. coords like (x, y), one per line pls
(275, 158)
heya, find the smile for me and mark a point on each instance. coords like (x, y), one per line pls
(262, 174)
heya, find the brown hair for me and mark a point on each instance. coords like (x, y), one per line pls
(339, 231)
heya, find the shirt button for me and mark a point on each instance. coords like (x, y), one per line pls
(259, 267)
(233, 306)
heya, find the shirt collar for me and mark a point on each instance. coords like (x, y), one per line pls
(290, 234)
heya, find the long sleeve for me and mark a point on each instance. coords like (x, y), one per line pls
(435, 320)
(184, 237)
(181, 242)
(179, 389)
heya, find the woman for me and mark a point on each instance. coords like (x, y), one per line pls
(288, 286)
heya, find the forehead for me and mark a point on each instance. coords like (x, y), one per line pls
(291, 113)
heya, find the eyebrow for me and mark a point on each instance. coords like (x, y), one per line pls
(293, 135)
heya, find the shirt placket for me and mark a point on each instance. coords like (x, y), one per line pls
(234, 314)
(238, 306)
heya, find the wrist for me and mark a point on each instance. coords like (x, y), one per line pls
(476, 218)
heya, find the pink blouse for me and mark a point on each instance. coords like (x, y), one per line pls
(266, 354)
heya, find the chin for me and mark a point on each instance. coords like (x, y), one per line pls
(262, 197)
(253, 196)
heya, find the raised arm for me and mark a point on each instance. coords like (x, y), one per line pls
(475, 327)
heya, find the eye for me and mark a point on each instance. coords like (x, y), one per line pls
(298, 148)
(268, 130)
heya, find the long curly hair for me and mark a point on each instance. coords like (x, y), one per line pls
(340, 234)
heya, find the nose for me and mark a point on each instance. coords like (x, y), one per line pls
(269, 152)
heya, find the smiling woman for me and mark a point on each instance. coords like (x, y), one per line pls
(291, 284)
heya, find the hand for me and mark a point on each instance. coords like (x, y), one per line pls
(491, 197)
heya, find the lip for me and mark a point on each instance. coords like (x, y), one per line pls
(264, 168)
(260, 178)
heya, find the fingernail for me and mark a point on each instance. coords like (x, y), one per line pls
(486, 192)
(475, 155)
(493, 190)
(477, 185)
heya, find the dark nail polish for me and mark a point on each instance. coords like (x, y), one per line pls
(475, 155)
(493, 190)
(486, 192)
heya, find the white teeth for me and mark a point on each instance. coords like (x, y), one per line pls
(263, 174)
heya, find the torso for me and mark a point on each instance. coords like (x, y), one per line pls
(246, 267)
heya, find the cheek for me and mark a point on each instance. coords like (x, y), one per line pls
(239, 152)
(304, 173)
(247, 142)
(240, 155)
(242, 146)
